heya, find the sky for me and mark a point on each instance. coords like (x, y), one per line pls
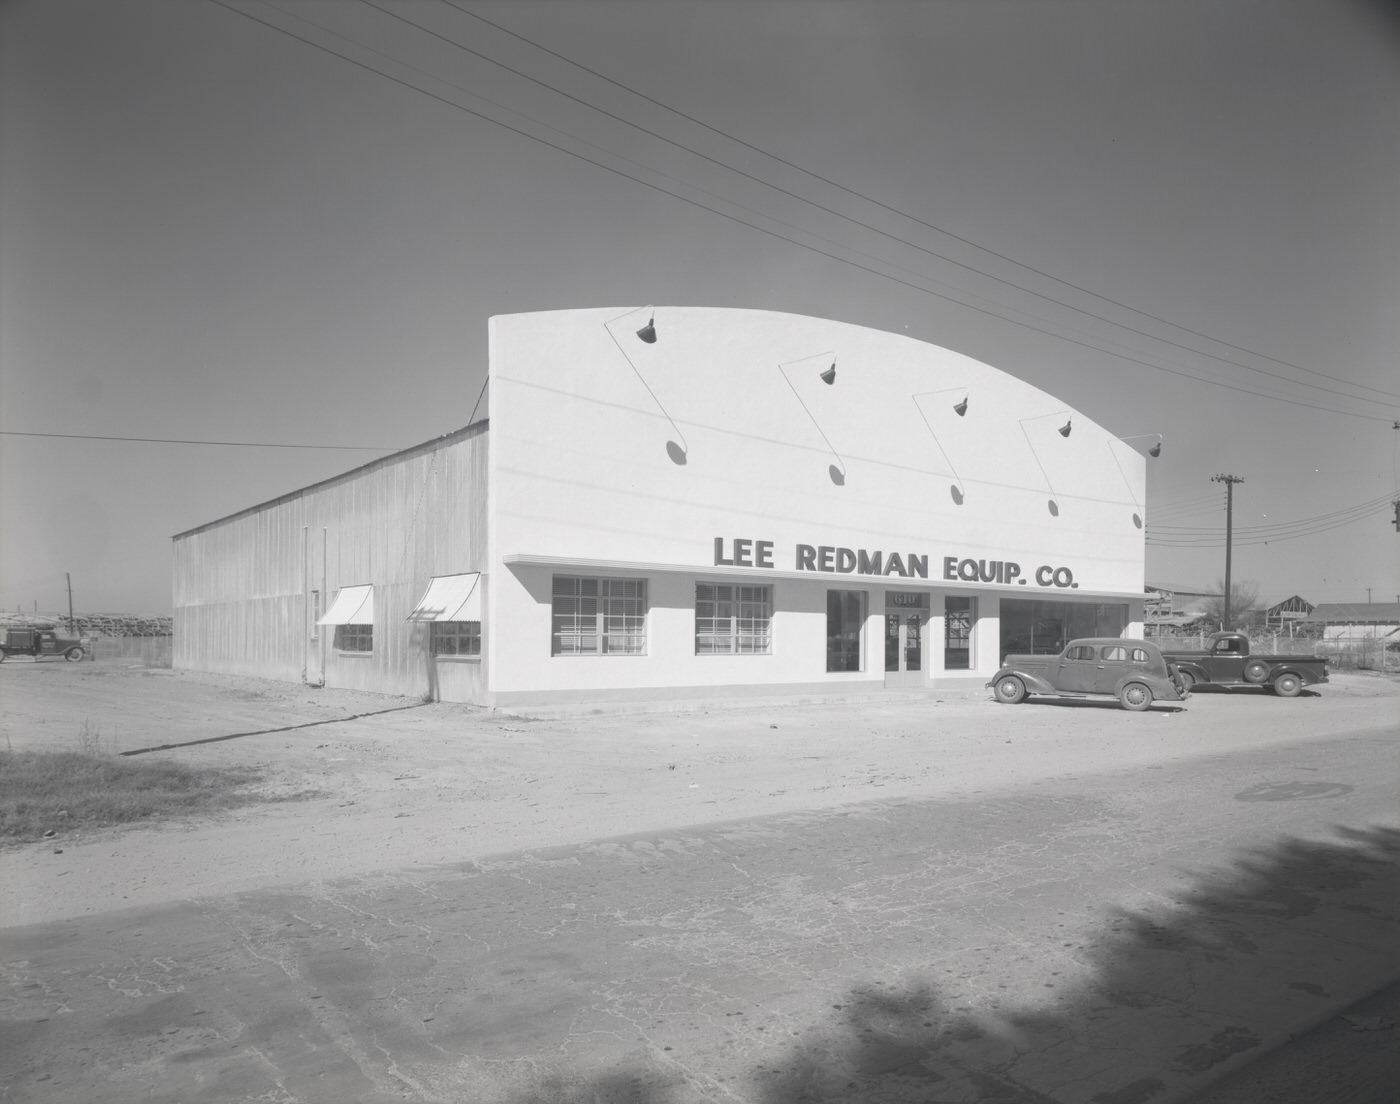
(246, 245)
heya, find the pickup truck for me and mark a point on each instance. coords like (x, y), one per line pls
(1227, 661)
(40, 640)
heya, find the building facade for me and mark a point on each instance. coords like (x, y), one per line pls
(677, 502)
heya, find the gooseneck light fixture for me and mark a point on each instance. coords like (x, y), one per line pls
(1154, 452)
(1063, 431)
(678, 451)
(837, 471)
(957, 489)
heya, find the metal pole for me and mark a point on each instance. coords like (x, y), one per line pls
(1229, 481)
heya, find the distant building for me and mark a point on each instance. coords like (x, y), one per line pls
(682, 503)
(1357, 620)
(1288, 612)
(1170, 608)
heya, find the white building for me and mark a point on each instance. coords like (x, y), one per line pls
(677, 502)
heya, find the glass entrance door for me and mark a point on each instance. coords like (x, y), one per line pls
(904, 648)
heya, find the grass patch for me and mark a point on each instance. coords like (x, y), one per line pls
(61, 791)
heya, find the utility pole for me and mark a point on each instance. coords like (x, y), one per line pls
(68, 575)
(1229, 481)
(1395, 502)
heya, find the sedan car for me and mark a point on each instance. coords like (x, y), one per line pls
(1133, 671)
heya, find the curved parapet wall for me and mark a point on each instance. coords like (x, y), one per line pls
(731, 426)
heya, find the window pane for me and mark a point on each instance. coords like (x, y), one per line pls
(958, 614)
(732, 620)
(456, 638)
(845, 616)
(598, 616)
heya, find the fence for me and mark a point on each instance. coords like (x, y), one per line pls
(1363, 650)
(148, 651)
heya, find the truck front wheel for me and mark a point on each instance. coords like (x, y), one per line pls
(1288, 685)
(1256, 671)
(74, 655)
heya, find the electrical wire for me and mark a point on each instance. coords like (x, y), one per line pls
(772, 233)
(1278, 525)
(1246, 536)
(185, 441)
(883, 206)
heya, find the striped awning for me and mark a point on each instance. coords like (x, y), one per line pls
(450, 598)
(353, 605)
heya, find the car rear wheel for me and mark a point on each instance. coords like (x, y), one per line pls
(1288, 686)
(73, 655)
(1135, 696)
(1010, 690)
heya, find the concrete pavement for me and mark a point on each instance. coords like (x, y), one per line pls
(1116, 939)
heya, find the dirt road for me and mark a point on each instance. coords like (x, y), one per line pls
(402, 784)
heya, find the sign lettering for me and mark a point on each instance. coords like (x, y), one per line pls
(830, 559)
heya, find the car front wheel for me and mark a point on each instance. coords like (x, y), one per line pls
(1135, 696)
(1010, 690)
(1288, 686)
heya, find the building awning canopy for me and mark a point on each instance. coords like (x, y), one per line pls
(450, 598)
(353, 605)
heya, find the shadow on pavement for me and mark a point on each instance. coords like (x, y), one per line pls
(1174, 999)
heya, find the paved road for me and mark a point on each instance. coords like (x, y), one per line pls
(1107, 939)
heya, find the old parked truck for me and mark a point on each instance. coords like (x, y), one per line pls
(39, 641)
(1227, 661)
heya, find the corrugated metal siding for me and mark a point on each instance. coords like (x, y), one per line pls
(241, 586)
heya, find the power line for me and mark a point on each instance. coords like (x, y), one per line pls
(1258, 535)
(772, 233)
(883, 206)
(1370, 503)
(181, 441)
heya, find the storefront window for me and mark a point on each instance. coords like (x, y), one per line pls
(958, 615)
(1043, 628)
(599, 616)
(845, 619)
(732, 619)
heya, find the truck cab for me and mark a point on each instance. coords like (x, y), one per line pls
(40, 641)
(1227, 653)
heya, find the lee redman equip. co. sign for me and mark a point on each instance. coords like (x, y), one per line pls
(835, 560)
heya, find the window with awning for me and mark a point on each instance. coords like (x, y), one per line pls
(450, 598)
(353, 605)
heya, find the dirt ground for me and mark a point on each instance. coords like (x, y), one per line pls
(398, 783)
